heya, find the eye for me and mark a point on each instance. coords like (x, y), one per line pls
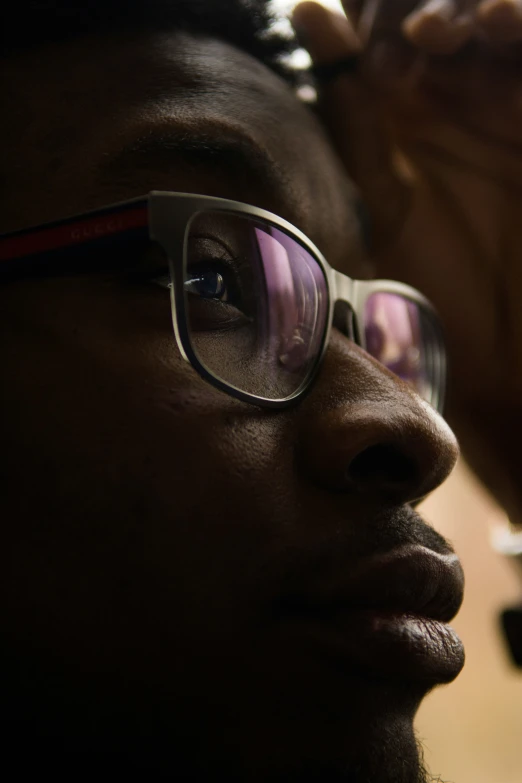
(205, 284)
(217, 283)
(211, 283)
(217, 295)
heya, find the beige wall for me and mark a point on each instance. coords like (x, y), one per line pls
(472, 729)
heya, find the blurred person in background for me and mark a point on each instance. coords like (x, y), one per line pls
(212, 566)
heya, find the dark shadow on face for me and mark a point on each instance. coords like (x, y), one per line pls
(185, 572)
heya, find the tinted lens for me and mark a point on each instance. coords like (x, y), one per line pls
(405, 337)
(256, 304)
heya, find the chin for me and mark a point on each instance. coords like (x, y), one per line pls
(356, 732)
(360, 735)
(296, 720)
(387, 752)
(391, 755)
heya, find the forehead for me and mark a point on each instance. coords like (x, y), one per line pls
(103, 120)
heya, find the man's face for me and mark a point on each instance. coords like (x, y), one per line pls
(190, 577)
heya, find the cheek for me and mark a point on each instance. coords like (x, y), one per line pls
(136, 494)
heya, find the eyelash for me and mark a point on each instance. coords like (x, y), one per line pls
(164, 281)
(148, 265)
(162, 278)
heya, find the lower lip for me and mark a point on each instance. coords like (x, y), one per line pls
(389, 644)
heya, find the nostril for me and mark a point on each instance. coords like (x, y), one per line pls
(382, 466)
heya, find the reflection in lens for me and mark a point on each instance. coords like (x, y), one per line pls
(262, 330)
(402, 335)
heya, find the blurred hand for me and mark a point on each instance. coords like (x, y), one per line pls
(430, 129)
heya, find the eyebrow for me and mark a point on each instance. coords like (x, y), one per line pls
(230, 155)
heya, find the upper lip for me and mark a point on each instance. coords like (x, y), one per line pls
(411, 579)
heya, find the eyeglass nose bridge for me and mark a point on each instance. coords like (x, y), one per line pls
(342, 288)
(343, 292)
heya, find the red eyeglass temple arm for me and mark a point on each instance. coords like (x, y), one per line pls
(76, 231)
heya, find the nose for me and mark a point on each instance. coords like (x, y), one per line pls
(366, 432)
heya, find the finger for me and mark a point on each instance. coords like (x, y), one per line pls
(365, 17)
(353, 10)
(501, 20)
(350, 112)
(328, 36)
(377, 18)
(439, 27)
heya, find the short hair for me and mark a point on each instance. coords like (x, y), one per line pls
(246, 24)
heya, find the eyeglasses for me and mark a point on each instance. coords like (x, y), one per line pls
(253, 300)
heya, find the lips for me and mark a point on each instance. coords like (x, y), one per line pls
(388, 616)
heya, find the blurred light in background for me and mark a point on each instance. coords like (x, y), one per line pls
(284, 8)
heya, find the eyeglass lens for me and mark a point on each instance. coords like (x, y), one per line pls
(256, 304)
(402, 336)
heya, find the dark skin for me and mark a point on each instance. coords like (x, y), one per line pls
(154, 522)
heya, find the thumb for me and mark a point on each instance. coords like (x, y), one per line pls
(352, 114)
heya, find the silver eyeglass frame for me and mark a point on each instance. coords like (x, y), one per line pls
(165, 218)
(170, 216)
